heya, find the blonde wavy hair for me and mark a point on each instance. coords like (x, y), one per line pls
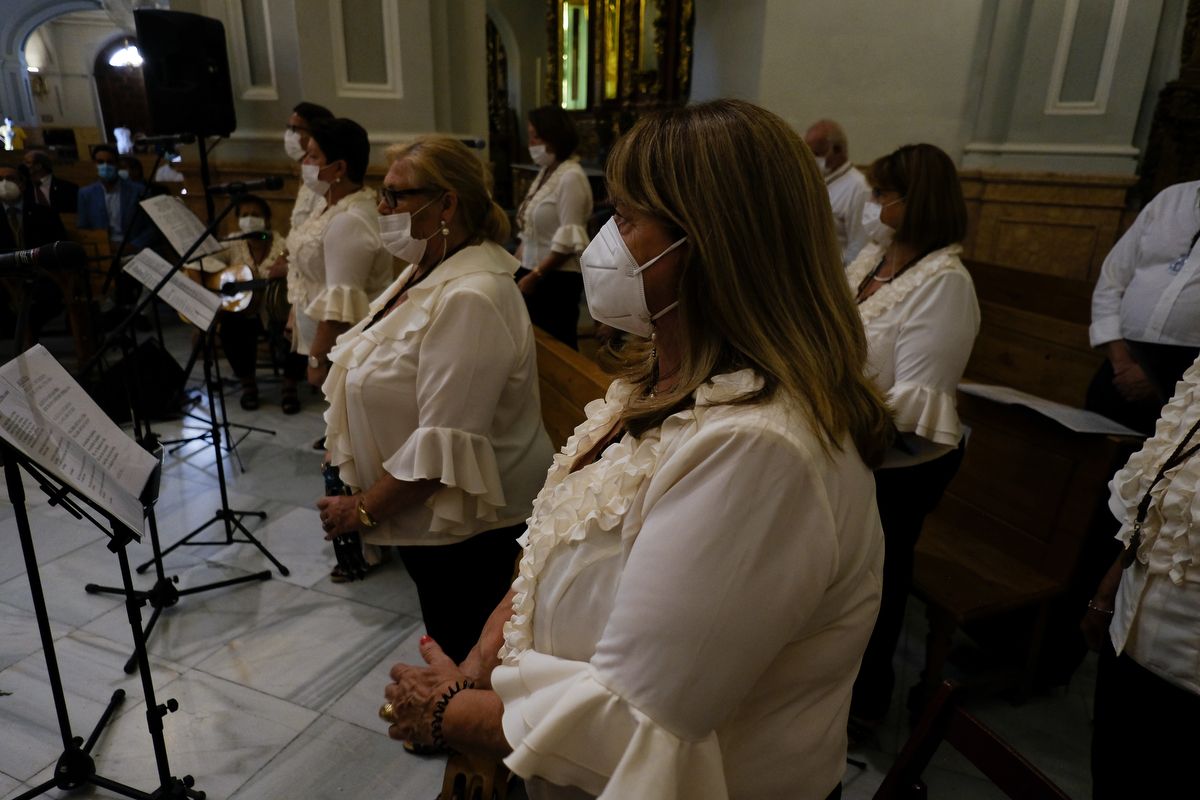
(762, 283)
(445, 163)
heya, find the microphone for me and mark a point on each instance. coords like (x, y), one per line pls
(244, 187)
(233, 287)
(167, 139)
(58, 254)
(260, 235)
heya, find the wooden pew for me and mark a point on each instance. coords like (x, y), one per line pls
(1006, 537)
(567, 381)
(1033, 333)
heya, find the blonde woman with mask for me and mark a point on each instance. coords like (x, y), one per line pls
(434, 417)
(702, 567)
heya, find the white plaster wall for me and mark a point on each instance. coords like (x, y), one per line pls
(73, 41)
(526, 20)
(891, 71)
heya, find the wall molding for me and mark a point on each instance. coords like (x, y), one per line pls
(1055, 105)
(240, 49)
(391, 89)
(1052, 149)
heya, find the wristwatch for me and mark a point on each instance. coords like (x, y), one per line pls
(318, 362)
(364, 517)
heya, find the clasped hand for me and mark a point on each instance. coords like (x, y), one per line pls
(339, 514)
(415, 692)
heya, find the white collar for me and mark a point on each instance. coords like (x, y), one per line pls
(839, 172)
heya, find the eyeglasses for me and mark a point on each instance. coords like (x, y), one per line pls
(390, 197)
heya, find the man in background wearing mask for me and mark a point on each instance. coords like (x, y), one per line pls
(847, 187)
(111, 202)
(26, 225)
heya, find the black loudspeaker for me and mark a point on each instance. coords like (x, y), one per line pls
(160, 379)
(186, 70)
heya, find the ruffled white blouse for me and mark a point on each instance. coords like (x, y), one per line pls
(337, 262)
(553, 217)
(691, 609)
(920, 328)
(443, 387)
(1157, 610)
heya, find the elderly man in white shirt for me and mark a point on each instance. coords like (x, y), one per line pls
(1146, 309)
(848, 190)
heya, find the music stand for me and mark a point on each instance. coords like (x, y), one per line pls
(75, 766)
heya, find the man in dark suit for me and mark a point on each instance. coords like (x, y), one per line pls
(24, 225)
(47, 190)
(111, 203)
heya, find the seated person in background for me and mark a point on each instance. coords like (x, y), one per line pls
(848, 190)
(702, 567)
(917, 303)
(49, 190)
(552, 224)
(1146, 309)
(111, 203)
(1145, 617)
(259, 250)
(26, 225)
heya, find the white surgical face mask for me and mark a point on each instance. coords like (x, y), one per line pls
(395, 232)
(612, 281)
(123, 174)
(250, 224)
(309, 174)
(539, 154)
(821, 164)
(291, 145)
(875, 228)
(10, 191)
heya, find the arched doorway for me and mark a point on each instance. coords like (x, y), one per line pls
(121, 88)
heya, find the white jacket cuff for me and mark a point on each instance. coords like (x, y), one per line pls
(464, 463)
(566, 727)
(929, 413)
(339, 304)
(1104, 330)
(570, 239)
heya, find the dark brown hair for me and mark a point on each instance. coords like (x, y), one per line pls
(555, 128)
(343, 140)
(935, 214)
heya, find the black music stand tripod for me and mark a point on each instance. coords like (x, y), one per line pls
(76, 767)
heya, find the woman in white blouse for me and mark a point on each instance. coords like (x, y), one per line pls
(1145, 617)
(702, 567)
(337, 262)
(434, 417)
(552, 225)
(917, 303)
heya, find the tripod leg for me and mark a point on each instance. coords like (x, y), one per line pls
(117, 698)
(258, 576)
(262, 549)
(36, 791)
(131, 664)
(185, 540)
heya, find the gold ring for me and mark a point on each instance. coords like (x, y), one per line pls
(386, 712)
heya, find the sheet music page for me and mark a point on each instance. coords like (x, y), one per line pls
(46, 415)
(1076, 419)
(182, 294)
(181, 227)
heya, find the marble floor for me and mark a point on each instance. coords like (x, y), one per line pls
(278, 681)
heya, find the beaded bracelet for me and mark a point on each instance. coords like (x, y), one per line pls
(439, 711)
(1092, 606)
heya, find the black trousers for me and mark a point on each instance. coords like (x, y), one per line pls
(905, 496)
(1164, 365)
(1144, 735)
(554, 305)
(239, 340)
(460, 585)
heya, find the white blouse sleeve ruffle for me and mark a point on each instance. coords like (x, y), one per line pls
(572, 730)
(1171, 533)
(339, 303)
(464, 463)
(926, 411)
(570, 239)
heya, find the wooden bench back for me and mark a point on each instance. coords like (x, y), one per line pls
(1027, 487)
(1033, 334)
(567, 381)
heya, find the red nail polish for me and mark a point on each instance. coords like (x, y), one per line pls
(426, 639)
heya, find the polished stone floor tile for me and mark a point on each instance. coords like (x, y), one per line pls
(63, 581)
(19, 634)
(369, 765)
(388, 586)
(360, 704)
(294, 538)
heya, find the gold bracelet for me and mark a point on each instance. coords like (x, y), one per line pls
(1093, 607)
(364, 516)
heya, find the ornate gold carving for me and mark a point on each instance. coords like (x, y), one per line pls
(553, 87)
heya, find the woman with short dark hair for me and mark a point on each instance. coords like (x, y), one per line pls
(552, 222)
(338, 264)
(917, 303)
